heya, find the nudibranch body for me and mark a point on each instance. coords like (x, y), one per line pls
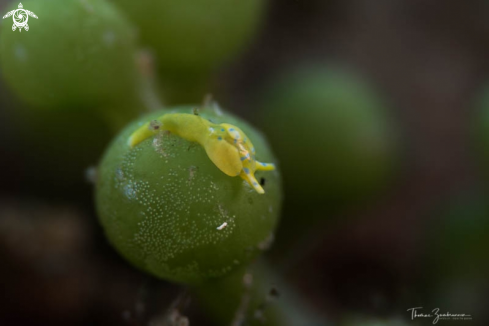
(226, 145)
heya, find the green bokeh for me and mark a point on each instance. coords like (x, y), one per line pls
(194, 36)
(352, 320)
(331, 133)
(455, 263)
(480, 132)
(76, 53)
(458, 240)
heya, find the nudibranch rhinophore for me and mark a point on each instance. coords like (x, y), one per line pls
(226, 145)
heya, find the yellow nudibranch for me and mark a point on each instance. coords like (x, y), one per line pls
(226, 145)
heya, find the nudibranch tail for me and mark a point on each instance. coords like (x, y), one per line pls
(226, 145)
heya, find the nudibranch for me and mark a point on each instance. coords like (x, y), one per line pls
(226, 145)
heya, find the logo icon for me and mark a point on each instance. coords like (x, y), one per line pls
(20, 17)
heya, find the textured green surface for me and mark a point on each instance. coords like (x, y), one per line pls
(194, 35)
(161, 202)
(76, 52)
(331, 134)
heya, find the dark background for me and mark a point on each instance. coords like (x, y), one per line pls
(429, 58)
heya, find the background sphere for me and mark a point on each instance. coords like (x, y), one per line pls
(78, 53)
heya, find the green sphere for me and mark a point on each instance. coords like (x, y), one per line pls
(75, 53)
(194, 36)
(331, 135)
(161, 204)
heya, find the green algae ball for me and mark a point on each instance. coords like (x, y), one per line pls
(194, 36)
(331, 133)
(168, 209)
(75, 53)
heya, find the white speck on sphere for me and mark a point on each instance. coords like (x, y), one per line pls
(222, 226)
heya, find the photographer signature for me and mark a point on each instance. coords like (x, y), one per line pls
(436, 315)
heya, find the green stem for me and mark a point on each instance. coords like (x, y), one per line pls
(144, 98)
(256, 296)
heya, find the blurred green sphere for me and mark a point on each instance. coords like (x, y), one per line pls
(194, 36)
(458, 239)
(331, 135)
(455, 263)
(162, 201)
(75, 53)
(480, 131)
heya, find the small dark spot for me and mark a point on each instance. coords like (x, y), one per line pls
(262, 182)
(195, 111)
(274, 293)
(155, 125)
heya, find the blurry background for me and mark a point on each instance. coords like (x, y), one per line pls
(356, 249)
